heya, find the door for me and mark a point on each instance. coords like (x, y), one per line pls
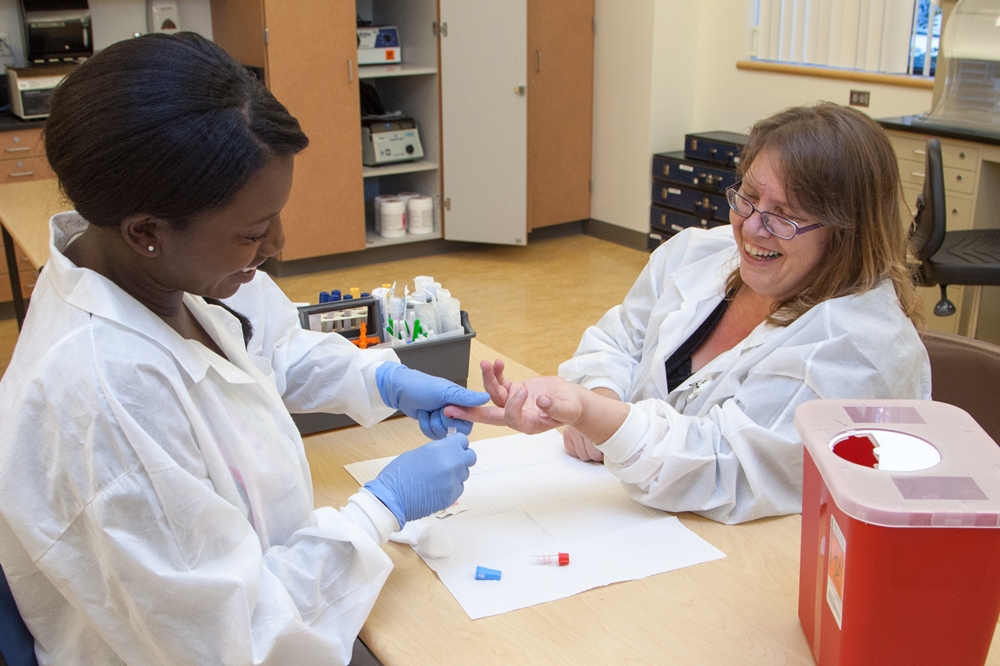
(312, 70)
(560, 110)
(484, 120)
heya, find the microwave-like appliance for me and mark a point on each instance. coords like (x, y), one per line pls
(390, 138)
(31, 88)
(57, 30)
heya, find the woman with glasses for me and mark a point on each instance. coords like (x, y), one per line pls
(687, 391)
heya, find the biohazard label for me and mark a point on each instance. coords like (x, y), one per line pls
(835, 581)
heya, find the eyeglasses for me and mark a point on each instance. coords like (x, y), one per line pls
(777, 225)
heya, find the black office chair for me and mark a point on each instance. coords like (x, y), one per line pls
(17, 646)
(949, 257)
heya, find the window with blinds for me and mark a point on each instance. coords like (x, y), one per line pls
(867, 35)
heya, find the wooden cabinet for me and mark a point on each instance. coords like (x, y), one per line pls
(517, 96)
(506, 137)
(22, 158)
(560, 110)
(26, 272)
(308, 53)
(411, 87)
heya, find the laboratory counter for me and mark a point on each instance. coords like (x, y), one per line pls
(918, 124)
(742, 609)
(11, 123)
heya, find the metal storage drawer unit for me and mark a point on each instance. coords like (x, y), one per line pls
(702, 204)
(676, 168)
(689, 186)
(722, 148)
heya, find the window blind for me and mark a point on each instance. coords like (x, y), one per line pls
(870, 35)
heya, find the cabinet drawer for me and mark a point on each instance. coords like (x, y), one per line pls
(959, 156)
(21, 142)
(28, 279)
(959, 213)
(956, 155)
(960, 181)
(29, 168)
(674, 167)
(22, 261)
(669, 221)
(911, 172)
(959, 210)
(702, 204)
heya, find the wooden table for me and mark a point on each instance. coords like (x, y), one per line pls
(742, 609)
(25, 209)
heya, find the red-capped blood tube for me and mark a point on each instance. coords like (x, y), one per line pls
(562, 559)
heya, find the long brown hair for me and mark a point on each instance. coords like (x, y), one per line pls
(837, 166)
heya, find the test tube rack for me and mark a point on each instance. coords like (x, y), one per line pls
(346, 318)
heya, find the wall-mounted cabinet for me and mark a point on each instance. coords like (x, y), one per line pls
(501, 94)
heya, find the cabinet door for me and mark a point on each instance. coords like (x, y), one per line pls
(560, 110)
(312, 70)
(484, 120)
(238, 27)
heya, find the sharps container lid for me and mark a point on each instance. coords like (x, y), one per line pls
(904, 463)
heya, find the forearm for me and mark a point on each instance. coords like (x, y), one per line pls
(606, 393)
(602, 416)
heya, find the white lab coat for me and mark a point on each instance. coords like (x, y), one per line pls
(156, 505)
(723, 443)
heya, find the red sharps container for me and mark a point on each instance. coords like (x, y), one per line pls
(900, 560)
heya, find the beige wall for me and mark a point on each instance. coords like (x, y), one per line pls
(690, 85)
(114, 20)
(623, 65)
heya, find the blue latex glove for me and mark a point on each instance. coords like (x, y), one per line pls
(423, 397)
(424, 480)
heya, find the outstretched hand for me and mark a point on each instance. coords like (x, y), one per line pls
(532, 406)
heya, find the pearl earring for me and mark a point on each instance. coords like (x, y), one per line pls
(151, 248)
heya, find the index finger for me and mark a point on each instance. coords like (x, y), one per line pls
(488, 414)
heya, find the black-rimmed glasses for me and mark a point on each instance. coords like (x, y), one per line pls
(777, 225)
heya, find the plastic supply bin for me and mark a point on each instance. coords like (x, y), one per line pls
(900, 560)
(448, 358)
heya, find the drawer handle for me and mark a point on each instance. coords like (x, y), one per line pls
(962, 155)
(17, 150)
(959, 178)
(919, 152)
(917, 173)
(954, 211)
(22, 174)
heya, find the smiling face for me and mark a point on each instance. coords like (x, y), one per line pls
(218, 251)
(776, 269)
